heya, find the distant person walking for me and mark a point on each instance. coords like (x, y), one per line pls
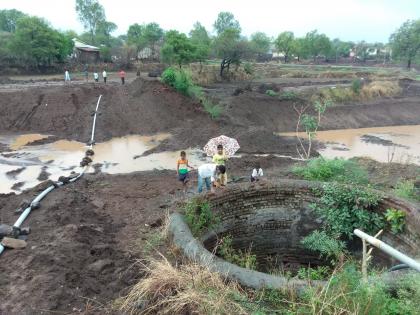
(104, 75)
(66, 76)
(122, 76)
(96, 76)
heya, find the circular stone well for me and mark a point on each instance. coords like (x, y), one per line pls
(271, 219)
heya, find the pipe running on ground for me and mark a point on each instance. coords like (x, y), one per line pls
(45, 192)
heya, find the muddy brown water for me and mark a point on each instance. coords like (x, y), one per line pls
(399, 144)
(25, 163)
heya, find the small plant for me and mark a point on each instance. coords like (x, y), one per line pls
(405, 189)
(271, 93)
(318, 273)
(248, 68)
(339, 170)
(199, 216)
(241, 258)
(344, 208)
(214, 110)
(356, 86)
(178, 79)
(288, 96)
(396, 219)
(169, 76)
(328, 247)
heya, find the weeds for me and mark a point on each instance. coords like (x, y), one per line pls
(396, 219)
(271, 93)
(318, 273)
(328, 247)
(241, 258)
(356, 86)
(405, 189)
(340, 170)
(288, 96)
(199, 216)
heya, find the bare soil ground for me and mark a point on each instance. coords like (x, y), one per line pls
(87, 236)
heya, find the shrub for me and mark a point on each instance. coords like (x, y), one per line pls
(241, 258)
(199, 216)
(271, 93)
(288, 96)
(396, 219)
(214, 110)
(344, 208)
(183, 82)
(405, 189)
(318, 273)
(327, 246)
(248, 68)
(169, 76)
(356, 86)
(339, 170)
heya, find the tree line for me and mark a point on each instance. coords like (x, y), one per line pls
(32, 42)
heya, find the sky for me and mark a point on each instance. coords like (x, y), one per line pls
(355, 20)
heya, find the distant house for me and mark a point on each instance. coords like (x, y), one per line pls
(85, 53)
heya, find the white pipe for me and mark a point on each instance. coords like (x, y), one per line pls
(388, 249)
(94, 121)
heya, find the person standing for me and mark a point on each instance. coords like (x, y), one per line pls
(122, 76)
(220, 158)
(96, 76)
(104, 75)
(208, 173)
(66, 76)
(182, 170)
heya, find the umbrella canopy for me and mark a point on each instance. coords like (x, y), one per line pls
(230, 145)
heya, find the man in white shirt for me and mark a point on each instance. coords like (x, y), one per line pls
(257, 173)
(208, 173)
(104, 75)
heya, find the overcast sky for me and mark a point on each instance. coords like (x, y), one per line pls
(370, 20)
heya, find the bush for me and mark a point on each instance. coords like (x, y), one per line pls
(396, 219)
(169, 76)
(405, 189)
(271, 93)
(318, 273)
(241, 258)
(214, 110)
(327, 246)
(339, 170)
(199, 216)
(344, 208)
(288, 96)
(356, 86)
(248, 68)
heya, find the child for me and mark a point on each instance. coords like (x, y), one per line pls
(104, 75)
(96, 76)
(182, 170)
(220, 158)
(257, 173)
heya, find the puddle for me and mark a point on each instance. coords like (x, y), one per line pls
(60, 157)
(399, 144)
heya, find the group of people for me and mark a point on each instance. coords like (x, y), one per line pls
(211, 174)
(121, 74)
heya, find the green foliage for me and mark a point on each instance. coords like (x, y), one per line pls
(344, 208)
(405, 41)
(177, 49)
(396, 219)
(328, 247)
(241, 258)
(340, 170)
(136, 37)
(201, 41)
(288, 96)
(356, 86)
(169, 76)
(271, 93)
(36, 43)
(318, 273)
(105, 54)
(260, 43)
(248, 68)
(317, 44)
(285, 43)
(214, 110)
(154, 240)
(310, 124)
(224, 21)
(91, 13)
(199, 216)
(8, 20)
(405, 189)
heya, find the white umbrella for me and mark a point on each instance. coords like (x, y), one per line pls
(230, 145)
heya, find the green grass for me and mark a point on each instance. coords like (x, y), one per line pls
(405, 189)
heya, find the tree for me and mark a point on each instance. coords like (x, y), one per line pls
(177, 48)
(362, 50)
(152, 34)
(103, 33)
(9, 18)
(37, 44)
(317, 44)
(340, 48)
(201, 40)
(135, 36)
(91, 13)
(260, 43)
(228, 46)
(299, 48)
(284, 43)
(224, 21)
(405, 42)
